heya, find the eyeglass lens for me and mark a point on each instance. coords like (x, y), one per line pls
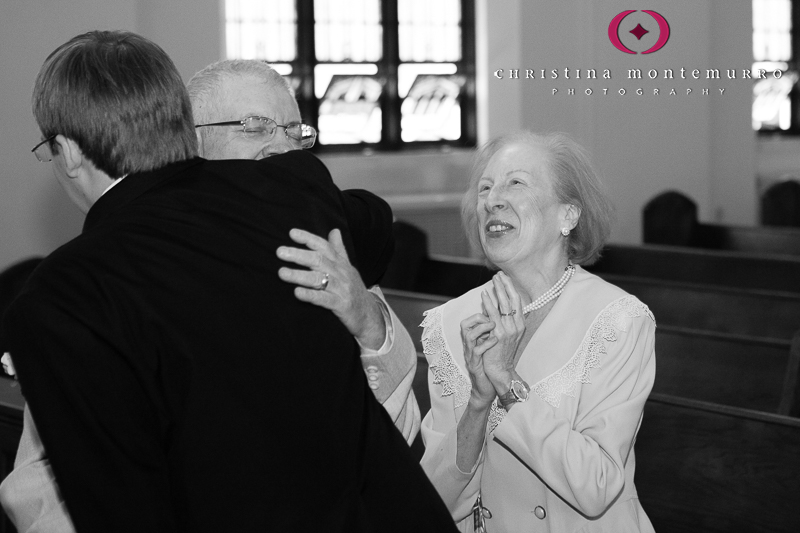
(304, 134)
(43, 152)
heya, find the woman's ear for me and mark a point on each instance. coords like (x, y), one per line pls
(572, 213)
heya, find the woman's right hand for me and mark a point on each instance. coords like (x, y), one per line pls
(476, 341)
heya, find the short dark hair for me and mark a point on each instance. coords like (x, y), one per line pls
(120, 98)
(575, 182)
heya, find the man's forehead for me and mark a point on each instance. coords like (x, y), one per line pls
(248, 96)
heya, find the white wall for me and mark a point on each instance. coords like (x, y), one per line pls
(645, 144)
(733, 192)
(642, 145)
(35, 214)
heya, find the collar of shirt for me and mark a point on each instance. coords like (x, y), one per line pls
(113, 184)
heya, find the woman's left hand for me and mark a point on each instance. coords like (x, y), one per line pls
(506, 313)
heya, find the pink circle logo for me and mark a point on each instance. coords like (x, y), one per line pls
(638, 32)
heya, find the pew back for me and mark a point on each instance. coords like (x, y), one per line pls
(753, 312)
(671, 218)
(453, 276)
(707, 468)
(409, 306)
(740, 371)
(758, 239)
(737, 370)
(707, 267)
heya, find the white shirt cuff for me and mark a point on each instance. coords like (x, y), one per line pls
(388, 340)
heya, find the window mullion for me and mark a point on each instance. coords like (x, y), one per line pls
(794, 65)
(466, 67)
(306, 61)
(387, 69)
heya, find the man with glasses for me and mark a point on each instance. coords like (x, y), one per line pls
(175, 384)
(266, 121)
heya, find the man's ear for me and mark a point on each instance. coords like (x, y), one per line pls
(73, 156)
(571, 215)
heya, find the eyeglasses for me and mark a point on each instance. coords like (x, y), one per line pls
(42, 151)
(301, 135)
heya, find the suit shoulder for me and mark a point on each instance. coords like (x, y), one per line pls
(301, 163)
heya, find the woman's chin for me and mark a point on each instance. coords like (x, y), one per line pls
(498, 259)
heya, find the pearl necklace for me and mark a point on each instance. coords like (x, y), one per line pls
(553, 293)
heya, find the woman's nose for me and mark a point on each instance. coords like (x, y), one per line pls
(496, 200)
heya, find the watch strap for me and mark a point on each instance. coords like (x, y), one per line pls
(511, 396)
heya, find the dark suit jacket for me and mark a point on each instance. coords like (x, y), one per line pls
(178, 384)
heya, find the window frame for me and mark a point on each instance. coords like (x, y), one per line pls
(793, 65)
(303, 68)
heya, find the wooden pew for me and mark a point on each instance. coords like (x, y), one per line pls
(738, 370)
(752, 312)
(671, 218)
(703, 467)
(409, 306)
(449, 276)
(756, 239)
(738, 310)
(707, 267)
(453, 276)
(735, 370)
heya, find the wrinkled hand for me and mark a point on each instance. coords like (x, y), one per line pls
(345, 294)
(499, 360)
(476, 339)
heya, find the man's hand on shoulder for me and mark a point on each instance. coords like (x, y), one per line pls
(333, 283)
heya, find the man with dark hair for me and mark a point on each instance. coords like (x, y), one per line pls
(175, 384)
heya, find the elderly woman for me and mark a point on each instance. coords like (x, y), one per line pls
(539, 377)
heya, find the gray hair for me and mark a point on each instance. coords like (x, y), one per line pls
(205, 84)
(574, 181)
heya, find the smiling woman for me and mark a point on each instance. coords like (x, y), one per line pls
(538, 378)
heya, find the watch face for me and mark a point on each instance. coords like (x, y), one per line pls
(520, 390)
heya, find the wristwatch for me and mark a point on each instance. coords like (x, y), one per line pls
(518, 391)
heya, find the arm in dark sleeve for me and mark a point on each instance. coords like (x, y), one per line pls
(370, 221)
(102, 431)
(368, 238)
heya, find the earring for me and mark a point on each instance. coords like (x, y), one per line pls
(564, 231)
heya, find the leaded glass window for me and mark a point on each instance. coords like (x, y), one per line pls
(375, 73)
(261, 30)
(775, 100)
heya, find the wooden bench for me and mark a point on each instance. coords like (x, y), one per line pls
(702, 467)
(753, 312)
(706, 267)
(705, 467)
(671, 218)
(453, 276)
(738, 370)
(735, 370)
(757, 239)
